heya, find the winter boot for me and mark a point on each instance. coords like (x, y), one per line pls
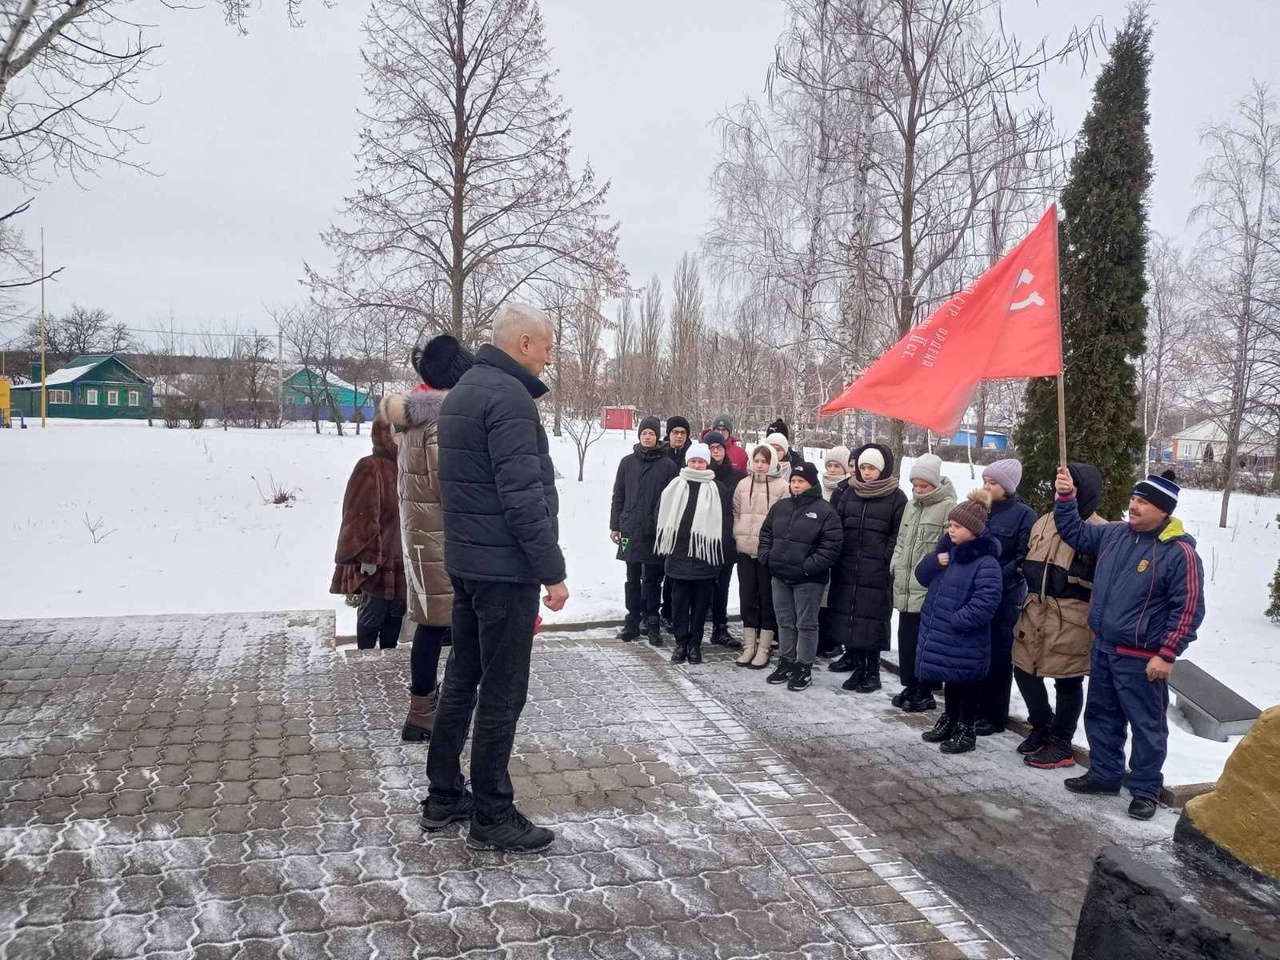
(421, 719)
(922, 702)
(653, 631)
(630, 629)
(858, 676)
(512, 834)
(849, 660)
(749, 636)
(721, 637)
(695, 650)
(1088, 785)
(764, 646)
(1142, 808)
(781, 673)
(871, 675)
(963, 739)
(941, 731)
(904, 696)
(801, 677)
(681, 653)
(436, 816)
(1054, 755)
(987, 728)
(1039, 738)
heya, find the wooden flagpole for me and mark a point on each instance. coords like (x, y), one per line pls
(1062, 398)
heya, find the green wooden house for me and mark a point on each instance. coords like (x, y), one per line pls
(305, 386)
(90, 387)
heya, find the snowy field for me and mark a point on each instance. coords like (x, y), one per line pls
(181, 527)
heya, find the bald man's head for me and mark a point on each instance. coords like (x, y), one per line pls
(525, 334)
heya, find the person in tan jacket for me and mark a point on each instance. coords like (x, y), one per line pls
(1052, 639)
(430, 594)
(753, 498)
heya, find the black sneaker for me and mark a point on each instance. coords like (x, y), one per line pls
(721, 637)
(781, 673)
(1142, 808)
(654, 633)
(903, 697)
(849, 660)
(1087, 784)
(922, 702)
(941, 731)
(1038, 739)
(1054, 755)
(514, 834)
(630, 630)
(985, 728)
(962, 740)
(870, 680)
(801, 677)
(436, 815)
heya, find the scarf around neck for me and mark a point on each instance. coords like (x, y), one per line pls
(706, 536)
(875, 489)
(829, 485)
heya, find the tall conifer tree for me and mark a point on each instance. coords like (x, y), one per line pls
(1103, 260)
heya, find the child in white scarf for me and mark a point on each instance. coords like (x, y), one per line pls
(691, 535)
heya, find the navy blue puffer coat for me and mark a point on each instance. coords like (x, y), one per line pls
(955, 625)
(497, 482)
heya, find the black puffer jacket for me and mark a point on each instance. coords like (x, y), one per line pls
(801, 538)
(860, 603)
(679, 564)
(642, 476)
(496, 477)
(727, 479)
(1011, 521)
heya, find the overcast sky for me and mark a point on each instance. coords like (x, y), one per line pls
(251, 142)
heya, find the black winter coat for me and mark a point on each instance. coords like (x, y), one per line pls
(496, 477)
(642, 476)
(801, 538)
(679, 565)
(1011, 522)
(860, 602)
(727, 479)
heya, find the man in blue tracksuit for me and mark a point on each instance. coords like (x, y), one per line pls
(1148, 601)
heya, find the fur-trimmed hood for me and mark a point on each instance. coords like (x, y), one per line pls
(413, 409)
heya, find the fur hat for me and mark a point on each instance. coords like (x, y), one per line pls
(698, 451)
(927, 467)
(806, 471)
(839, 454)
(779, 426)
(442, 362)
(712, 437)
(778, 440)
(872, 457)
(1007, 473)
(973, 512)
(650, 423)
(1159, 491)
(674, 423)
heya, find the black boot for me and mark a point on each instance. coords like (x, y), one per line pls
(922, 702)
(871, 673)
(849, 660)
(666, 623)
(695, 650)
(859, 675)
(681, 653)
(963, 739)
(720, 635)
(941, 731)
(653, 630)
(905, 696)
(782, 673)
(986, 728)
(630, 629)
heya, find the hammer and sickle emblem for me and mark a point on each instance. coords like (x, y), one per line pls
(1032, 299)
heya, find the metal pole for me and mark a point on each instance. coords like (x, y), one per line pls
(44, 373)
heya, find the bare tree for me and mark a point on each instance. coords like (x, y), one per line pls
(1240, 214)
(686, 370)
(582, 357)
(624, 353)
(464, 162)
(652, 323)
(81, 330)
(1170, 324)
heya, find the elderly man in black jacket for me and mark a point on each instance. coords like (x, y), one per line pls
(501, 542)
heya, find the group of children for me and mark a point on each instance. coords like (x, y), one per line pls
(823, 561)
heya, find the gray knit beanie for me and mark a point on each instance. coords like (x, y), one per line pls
(1007, 473)
(927, 467)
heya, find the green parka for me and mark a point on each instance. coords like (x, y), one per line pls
(924, 521)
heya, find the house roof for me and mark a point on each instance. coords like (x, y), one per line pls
(1258, 427)
(78, 368)
(331, 378)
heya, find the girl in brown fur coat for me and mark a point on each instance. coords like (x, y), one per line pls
(369, 559)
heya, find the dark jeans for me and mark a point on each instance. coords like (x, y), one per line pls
(1120, 695)
(690, 601)
(378, 622)
(488, 673)
(424, 658)
(908, 647)
(962, 701)
(1069, 694)
(644, 590)
(997, 688)
(755, 594)
(720, 606)
(797, 606)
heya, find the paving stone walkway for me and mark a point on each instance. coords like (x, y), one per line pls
(218, 787)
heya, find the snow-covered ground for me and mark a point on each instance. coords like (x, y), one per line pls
(181, 527)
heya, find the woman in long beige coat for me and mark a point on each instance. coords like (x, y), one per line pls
(415, 415)
(753, 497)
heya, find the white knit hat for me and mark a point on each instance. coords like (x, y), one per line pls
(873, 457)
(840, 455)
(778, 440)
(698, 451)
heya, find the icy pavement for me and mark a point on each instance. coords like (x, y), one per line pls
(223, 786)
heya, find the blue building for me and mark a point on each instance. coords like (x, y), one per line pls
(991, 440)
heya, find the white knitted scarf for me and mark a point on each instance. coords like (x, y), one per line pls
(706, 536)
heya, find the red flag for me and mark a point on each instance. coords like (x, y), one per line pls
(1005, 325)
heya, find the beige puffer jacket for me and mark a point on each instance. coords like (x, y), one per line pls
(415, 416)
(753, 498)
